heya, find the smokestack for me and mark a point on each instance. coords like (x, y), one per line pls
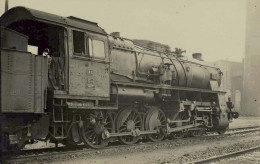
(6, 5)
(197, 56)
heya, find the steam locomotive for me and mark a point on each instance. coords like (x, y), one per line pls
(84, 85)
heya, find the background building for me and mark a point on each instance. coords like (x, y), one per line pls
(251, 78)
(232, 81)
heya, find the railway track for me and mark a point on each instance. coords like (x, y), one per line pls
(226, 156)
(45, 153)
(240, 130)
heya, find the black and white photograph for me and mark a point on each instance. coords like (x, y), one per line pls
(129, 81)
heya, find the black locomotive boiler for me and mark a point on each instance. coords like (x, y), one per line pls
(83, 85)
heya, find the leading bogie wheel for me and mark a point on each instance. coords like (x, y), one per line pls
(178, 134)
(196, 132)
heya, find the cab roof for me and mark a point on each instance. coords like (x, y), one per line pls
(22, 13)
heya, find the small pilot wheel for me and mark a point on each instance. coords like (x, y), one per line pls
(196, 133)
(96, 129)
(155, 119)
(178, 134)
(129, 121)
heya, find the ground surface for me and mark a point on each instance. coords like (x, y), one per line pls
(245, 122)
(179, 151)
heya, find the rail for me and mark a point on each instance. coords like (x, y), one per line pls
(226, 156)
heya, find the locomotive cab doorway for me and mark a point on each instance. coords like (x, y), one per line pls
(47, 39)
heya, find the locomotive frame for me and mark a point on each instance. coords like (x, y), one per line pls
(97, 87)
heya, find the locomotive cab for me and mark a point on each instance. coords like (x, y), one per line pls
(74, 72)
(41, 36)
(76, 48)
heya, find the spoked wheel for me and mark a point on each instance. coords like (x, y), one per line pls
(177, 135)
(155, 119)
(197, 132)
(96, 129)
(180, 134)
(128, 121)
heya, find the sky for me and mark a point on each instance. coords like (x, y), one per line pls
(216, 28)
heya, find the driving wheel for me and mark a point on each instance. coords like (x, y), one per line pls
(129, 121)
(95, 130)
(155, 119)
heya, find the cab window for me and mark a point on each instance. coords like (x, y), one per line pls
(96, 48)
(99, 49)
(90, 47)
(78, 42)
